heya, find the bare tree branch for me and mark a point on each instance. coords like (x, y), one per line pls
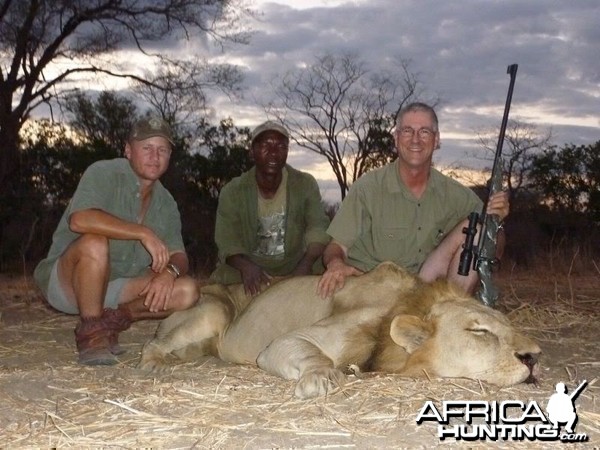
(522, 142)
(341, 110)
(44, 43)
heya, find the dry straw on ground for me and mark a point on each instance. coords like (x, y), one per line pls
(50, 401)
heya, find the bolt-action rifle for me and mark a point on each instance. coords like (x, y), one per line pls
(483, 255)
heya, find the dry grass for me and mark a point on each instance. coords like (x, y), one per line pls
(50, 401)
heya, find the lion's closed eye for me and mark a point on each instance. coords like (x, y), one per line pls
(478, 330)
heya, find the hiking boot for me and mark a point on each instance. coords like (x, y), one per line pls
(116, 320)
(92, 338)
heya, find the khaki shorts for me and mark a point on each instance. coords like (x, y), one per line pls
(59, 300)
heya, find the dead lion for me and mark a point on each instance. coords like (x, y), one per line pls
(385, 320)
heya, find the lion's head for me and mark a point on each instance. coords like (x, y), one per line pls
(461, 337)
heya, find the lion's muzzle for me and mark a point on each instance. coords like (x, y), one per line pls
(531, 361)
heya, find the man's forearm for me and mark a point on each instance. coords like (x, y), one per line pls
(96, 221)
(334, 252)
(239, 261)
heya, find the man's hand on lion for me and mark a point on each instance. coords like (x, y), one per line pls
(334, 277)
(252, 274)
(252, 277)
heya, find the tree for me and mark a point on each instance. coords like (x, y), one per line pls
(522, 142)
(569, 178)
(338, 108)
(179, 90)
(105, 120)
(228, 154)
(45, 44)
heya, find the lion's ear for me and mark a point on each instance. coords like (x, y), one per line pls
(409, 332)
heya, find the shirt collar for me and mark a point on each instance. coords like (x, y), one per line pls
(395, 185)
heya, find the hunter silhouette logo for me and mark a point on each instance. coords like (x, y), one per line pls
(561, 406)
(472, 420)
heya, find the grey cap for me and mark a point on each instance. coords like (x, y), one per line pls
(151, 127)
(269, 125)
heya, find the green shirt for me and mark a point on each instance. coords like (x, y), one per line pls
(113, 187)
(380, 219)
(237, 219)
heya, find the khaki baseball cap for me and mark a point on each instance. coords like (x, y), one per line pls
(269, 125)
(151, 127)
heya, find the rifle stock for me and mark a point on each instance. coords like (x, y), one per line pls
(484, 255)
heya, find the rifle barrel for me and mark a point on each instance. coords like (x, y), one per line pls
(512, 70)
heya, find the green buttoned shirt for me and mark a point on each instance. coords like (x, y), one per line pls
(381, 220)
(113, 187)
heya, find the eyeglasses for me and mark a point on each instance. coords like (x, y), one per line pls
(423, 133)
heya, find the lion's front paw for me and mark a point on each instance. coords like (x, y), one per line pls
(319, 382)
(153, 358)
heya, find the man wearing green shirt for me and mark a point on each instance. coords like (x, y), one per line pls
(117, 254)
(270, 220)
(406, 212)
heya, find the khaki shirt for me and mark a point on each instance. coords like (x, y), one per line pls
(380, 219)
(113, 187)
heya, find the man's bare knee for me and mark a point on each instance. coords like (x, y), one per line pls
(186, 293)
(93, 246)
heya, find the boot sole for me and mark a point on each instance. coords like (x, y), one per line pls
(104, 359)
(99, 362)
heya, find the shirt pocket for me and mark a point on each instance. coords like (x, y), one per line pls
(390, 242)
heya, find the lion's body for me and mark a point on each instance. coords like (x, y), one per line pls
(385, 320)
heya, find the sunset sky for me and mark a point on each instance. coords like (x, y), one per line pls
(459, 51)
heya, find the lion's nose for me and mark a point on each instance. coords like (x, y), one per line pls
(529, 359)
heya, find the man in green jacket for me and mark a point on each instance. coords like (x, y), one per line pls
(270, 220)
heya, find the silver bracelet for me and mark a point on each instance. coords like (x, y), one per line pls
(174, 269)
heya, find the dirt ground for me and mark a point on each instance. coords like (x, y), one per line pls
(49, 401)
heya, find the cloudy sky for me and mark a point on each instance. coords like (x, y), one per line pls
(459, 50)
